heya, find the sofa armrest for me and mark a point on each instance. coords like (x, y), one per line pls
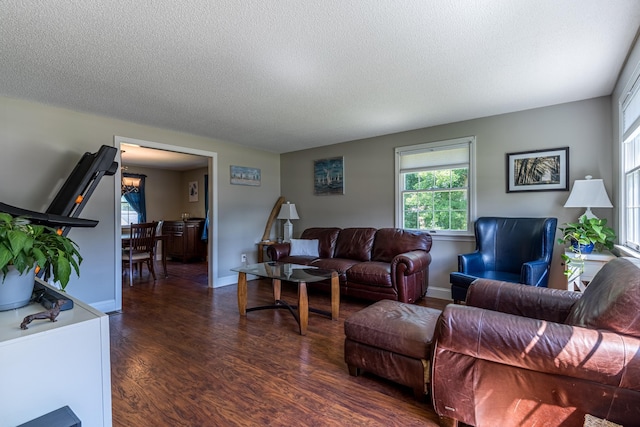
(533, 272)
(410, 262)
(552, 305)
(470, 262)
(278, 251)
(548, 347)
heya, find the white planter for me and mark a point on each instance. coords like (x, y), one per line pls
(16, 288)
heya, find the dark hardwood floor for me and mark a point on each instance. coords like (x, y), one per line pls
(181, 355)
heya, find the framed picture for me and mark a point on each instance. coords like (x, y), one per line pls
(241, 175)
(539, 170)
(193, 191)
(328, 176)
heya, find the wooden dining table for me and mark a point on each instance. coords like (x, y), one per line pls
(125, 237)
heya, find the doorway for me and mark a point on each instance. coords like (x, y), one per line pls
(212, 199)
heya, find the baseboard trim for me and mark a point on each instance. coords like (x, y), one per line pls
(229, 280)
(106, 306)
(441, 293)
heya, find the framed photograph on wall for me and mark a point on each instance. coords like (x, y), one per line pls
(193, 191)
(328, 176)
(241, 175)
(539, 170)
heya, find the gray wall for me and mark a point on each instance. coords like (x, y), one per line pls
(162, 192)
(623, 85)
(167, 192)
(41, 145)
(585, 127)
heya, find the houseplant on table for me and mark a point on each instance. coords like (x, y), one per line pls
(27, 248)
(584, 236)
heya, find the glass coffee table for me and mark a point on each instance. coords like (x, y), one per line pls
(300, 274)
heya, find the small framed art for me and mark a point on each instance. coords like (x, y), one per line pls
(193, 191)
(241, 175)
(328, 176)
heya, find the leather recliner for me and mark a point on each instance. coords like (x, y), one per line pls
(523, 356)
(517, 250)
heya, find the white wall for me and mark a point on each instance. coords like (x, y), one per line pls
(585, 127)
(41, 145)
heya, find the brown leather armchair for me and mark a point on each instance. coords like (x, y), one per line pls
(522, 356)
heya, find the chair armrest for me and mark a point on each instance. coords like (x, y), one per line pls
(470, 262)
(410, 262)
(278, 251)
(552, 305)
(553, 348)
(533, 272)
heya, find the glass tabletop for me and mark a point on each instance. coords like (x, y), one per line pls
(285, 271)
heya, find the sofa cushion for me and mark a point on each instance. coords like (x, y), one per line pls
(372, 273)
(304, 247)
(355, 243)
(612, 299)
(390, 242)
(326, 239)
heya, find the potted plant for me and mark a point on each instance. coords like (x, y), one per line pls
(584, 236)
(27, 249)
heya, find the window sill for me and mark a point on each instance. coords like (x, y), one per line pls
(452, 237)
(620, 250)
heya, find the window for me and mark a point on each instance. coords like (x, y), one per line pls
(435, 186)
(128, 215)
(630, 169)
(132, 200)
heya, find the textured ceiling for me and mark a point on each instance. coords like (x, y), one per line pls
(285, 75)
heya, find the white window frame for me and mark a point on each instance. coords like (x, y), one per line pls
(629, 108)
(471, 188)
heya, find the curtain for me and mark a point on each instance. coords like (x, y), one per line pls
(133, 192)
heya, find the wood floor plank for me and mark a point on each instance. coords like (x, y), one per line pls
(181, 355)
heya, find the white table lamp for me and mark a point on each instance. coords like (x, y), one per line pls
(588, 193)
(288, 211)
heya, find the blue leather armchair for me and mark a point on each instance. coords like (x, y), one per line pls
(517, 250)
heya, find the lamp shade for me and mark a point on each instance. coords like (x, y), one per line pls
(588, 193)
(288, 211)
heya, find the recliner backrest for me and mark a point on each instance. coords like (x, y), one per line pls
(390, 242)
(355, 243)
(507, 243)
(612, 299)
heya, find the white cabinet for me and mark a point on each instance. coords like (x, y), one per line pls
(53, 364)
(593, 262)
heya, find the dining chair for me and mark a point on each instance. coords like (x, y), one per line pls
(140, 248)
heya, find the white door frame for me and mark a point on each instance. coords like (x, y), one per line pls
(212, 242)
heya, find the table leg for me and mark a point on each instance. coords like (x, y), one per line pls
(260, 253)
(335, 296)
(303, 307)
(164, 261)
(242, 293)
(276, 289)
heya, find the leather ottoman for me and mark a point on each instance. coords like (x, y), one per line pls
(392, 339)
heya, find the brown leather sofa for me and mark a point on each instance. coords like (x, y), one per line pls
(372, 264)
(522, 356)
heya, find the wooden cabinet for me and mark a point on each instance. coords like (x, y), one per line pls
(184, 239)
